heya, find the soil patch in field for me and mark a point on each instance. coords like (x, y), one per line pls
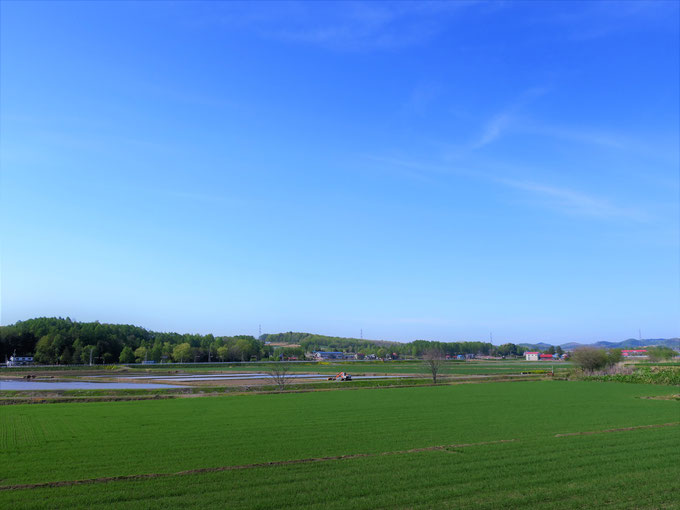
(624, 429)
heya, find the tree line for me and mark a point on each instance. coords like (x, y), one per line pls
(54, 341)
(64, 341)
(381, 348)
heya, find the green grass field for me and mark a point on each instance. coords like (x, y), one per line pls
(66, 442)
(481, 367)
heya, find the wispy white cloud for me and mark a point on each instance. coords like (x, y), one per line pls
(603, 19)
(493, 129)
(420, 170)
(375, 25)
(505, 119)
(572, 202)
(509, 121)
(580, 134)
(346, 26)
(561, 199)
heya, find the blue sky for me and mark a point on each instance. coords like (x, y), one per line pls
(428, 170)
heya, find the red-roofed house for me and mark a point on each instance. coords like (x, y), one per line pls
(531, 356)
(632, 353)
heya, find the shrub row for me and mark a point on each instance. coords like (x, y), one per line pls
(644, 375)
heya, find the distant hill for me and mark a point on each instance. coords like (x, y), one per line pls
(322, 341)
(541, 346)
(631, 343)
(571, 346)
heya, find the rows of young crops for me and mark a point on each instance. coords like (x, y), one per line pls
(74, 441)
(631, 469)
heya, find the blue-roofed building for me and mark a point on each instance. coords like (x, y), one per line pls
(17, 361)
(329, 355)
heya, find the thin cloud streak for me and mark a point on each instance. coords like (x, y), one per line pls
(561, 199)
(381, 26)
(506, 122)
(493, 130)
(572, 202)
(502, 121)
(344, 26)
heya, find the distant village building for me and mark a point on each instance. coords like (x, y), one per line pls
(634, 353)
(16, 361)
(324, 355)
(532, 356)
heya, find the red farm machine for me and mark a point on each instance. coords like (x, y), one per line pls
(341, 376)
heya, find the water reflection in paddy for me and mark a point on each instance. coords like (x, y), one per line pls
(6, 385)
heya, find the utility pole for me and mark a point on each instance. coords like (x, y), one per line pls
(259, 329)
(362, 333)
(91, 349)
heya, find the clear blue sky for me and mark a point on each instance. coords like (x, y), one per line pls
(437, 171)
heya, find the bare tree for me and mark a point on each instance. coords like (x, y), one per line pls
(279, 374)
(434, 362)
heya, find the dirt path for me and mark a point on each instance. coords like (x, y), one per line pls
(672, 424)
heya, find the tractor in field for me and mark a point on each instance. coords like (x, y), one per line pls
(341, 376)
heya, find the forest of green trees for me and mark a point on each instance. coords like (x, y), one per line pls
(311, 342)
(63, 341)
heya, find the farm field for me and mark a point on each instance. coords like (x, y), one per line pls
(499, 449)
(481, 367)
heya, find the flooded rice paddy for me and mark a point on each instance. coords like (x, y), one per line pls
(78, 385)
(152, 382)
(240, 377)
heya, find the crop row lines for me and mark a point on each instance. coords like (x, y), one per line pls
(302, 461)
(108, 479)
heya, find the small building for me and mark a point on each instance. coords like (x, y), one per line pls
(321, 355)
(17, 361)
(531, 356)
(634, 353)
(546, 357)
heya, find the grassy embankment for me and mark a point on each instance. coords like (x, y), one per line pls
(618, 469)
